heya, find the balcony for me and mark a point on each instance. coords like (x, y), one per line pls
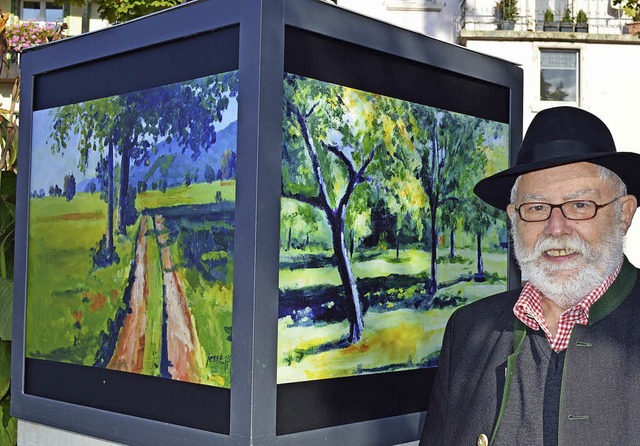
(602, 19)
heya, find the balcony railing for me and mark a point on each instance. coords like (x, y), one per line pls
(474, 21)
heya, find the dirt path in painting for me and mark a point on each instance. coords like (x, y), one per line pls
(129, 351)
(181, 338)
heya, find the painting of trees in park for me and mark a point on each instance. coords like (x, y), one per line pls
(131, 231)
(381, 236)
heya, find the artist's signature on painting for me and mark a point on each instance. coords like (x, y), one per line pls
(219, 359)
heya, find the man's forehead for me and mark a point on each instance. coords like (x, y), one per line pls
(568, 182)
(588, 193)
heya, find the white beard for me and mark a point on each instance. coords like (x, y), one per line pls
(568, 283)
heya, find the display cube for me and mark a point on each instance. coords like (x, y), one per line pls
(247, 223)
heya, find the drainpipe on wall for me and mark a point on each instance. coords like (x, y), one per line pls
(86, 17)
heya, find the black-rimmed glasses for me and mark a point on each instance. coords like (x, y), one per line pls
(572, 210)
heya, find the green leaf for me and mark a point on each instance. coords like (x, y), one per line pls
(7, 222)
(8, 425)
(5, 368)
(6, 308)
(7, 198)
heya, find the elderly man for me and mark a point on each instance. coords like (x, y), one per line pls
(558, 361)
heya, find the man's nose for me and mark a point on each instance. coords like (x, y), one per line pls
(558, 224)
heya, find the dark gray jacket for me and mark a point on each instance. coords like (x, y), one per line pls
(600, 397)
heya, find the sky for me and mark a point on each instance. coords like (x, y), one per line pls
(48, 169)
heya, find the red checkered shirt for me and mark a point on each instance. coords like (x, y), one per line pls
(529, 310)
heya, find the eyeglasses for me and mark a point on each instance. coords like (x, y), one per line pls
(572, 210)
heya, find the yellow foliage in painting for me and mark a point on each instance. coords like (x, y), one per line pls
(416, 194)
(363, 104)
(404, 135)
(387, 127)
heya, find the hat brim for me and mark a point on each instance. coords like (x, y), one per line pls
(496, 189)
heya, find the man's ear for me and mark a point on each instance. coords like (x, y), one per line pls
(629, 206)
(511, 211)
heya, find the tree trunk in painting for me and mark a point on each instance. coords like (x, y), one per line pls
(110, 204)
(430, 177)
(356, 322)
(352, 243)
(124, 187)
(433, 282)
(397, 244)
(452, 244)
(289, 240)
(480, 274)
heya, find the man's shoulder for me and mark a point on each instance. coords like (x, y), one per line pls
(484, 325)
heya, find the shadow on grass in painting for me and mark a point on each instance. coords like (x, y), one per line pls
(299, 353)
(109, 339)
(323, 303)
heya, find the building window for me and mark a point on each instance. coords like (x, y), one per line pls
(41, 11)
(559, 75)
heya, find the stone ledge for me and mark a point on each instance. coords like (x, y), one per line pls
(548, 36)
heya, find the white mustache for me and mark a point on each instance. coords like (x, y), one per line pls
(570, 243)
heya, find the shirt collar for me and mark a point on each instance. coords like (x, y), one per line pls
(528, 307)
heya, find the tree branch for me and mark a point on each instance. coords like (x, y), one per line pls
(360, 174)
(323, 195)
(316, 201)
(342, 157)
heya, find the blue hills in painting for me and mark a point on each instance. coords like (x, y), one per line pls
(168, 162)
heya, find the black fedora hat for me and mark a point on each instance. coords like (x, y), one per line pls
(558, 136)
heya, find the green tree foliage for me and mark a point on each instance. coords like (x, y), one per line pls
(488, 161)
(69, 190)
(447, 146)
(299, 221)
(96, 124)
(209, 174)
(118, 11)
(404, 196)
(228, 165)
(358, 218)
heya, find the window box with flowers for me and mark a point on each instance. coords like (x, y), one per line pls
(22, 35)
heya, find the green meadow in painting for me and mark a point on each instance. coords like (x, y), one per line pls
(381, 236)
(131, 232)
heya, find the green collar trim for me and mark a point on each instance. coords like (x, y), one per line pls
(616, 294)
